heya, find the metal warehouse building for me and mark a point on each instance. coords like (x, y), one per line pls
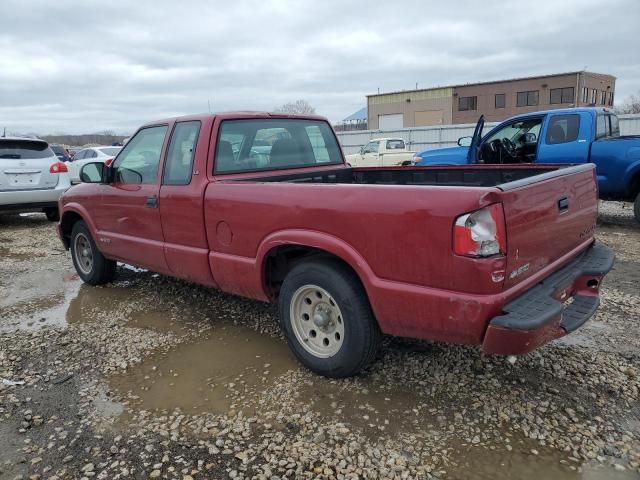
(495, 100)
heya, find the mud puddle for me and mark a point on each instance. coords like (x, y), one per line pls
(52, 299)
(222, 372)
(482, 463)
(38, 299)
(7, 254)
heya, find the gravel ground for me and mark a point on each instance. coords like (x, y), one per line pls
(151, 377)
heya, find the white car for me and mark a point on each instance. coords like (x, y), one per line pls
(32, 178)
(88, 155)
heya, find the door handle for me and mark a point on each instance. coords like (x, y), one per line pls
(563, 204)
(152, 202)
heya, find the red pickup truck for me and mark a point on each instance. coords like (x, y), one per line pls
(264, 206)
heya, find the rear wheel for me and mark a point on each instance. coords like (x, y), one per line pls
(636, 208)
(90, 264)
(52, 214)
(327, 319)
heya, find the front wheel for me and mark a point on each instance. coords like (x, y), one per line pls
(92, 267)
(52, 214)
(327, 319)
(636, 208)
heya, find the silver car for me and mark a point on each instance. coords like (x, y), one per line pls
(31, 177)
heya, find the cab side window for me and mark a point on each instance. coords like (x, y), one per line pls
(179, 164)
(138, 161)
(563, 129)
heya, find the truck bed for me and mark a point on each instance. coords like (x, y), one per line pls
(396, 227)
(461, 176)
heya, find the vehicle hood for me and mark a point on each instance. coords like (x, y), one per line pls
(449, 155)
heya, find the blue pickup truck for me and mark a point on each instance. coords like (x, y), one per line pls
(573, 135)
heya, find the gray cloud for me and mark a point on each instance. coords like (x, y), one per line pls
(88, 66)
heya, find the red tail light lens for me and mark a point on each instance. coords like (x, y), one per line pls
(480, 233)
(58, 167)
(108, 162)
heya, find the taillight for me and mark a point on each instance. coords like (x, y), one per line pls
(108, 162)
(58, 167)
(480, 233)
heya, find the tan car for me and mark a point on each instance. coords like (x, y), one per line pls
(382, 152)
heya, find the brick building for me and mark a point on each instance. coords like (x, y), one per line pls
(495, 100)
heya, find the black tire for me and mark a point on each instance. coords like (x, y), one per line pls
(99, 270)
(636, 208)
(52, 214)
(361, 332)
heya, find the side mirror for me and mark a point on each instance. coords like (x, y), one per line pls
(464, 141)
(94, 172)
(361, 150)
(530, 138)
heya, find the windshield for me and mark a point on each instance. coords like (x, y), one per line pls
(113, 151)
(515, 131)
(18, 149)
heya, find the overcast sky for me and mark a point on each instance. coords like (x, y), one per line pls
(82, 67)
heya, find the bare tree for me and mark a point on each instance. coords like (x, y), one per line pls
(630, 105)
(299, 106)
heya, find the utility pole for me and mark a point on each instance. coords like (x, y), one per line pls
(209, 104)
(4, 134)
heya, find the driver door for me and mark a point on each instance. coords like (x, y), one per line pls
(370, 155)
(128, 221)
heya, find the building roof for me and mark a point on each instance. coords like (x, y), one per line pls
(493, 81)
(359, 116)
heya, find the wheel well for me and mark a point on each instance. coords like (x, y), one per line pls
(67, 222)
(280, 260)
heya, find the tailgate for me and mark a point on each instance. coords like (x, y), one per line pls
(547, 216)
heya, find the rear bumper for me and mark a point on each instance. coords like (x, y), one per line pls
(558, 305)
(23, 200)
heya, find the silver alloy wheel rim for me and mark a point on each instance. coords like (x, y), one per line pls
(317, 321)
(83, 252)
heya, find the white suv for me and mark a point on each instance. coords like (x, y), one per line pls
(31, 177)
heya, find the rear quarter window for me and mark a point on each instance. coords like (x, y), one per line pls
(395, 144)
(563, 129)
(24, 149)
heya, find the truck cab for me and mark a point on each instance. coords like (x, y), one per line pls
(563, 136)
